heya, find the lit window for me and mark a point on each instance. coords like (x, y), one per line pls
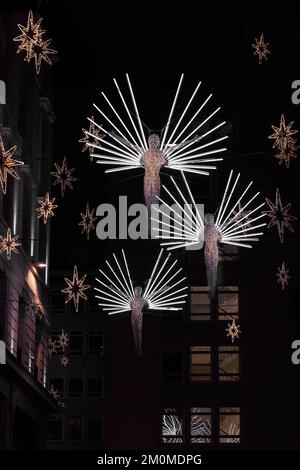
(229, 363)
(200, 303)
(228, 300)
(74, 427)
(55, 429)
(229, 429)
(94, 429)
(172, 365)
(201, 425)
(200, 363)
(75, 387)
(171, 426)
(95, 343)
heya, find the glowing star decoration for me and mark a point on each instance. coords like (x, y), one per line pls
(90, 137)
(233, 330)
(33, 44)
(63, 176)
(9, 244)
(46, 208)
(76, 288)
(54, 393)
(261, 49)
(282, 134)
(33, 309)
(188, 228)
(161, 292)
(283, 276)
(184, 144)
(53, 347)
(287, 151)
(63, 340)
(7, 165)
(88, 220)
(279, 215)
(64, 361)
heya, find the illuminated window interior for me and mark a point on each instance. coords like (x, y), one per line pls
(201, 426)
(200, 357)
(171, 426)
(228, 252)
(228, 303)
(200, 303)
(229, 425)
(229, 363)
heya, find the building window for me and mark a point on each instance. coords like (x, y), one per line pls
(58, 384)
(95, 343)
(74, 427)
(200, 303)
(229, 363)
(228, 303)
(229, 425)
(200, 360)
(76, 343)
(94, 429)
(75, 387)
(95, 387)
(172, 365)
(228, 252)
(171, 426)
(201, 425)
(55, 429)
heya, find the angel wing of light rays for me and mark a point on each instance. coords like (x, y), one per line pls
(124, 142)
(164, 289)
(187, 227)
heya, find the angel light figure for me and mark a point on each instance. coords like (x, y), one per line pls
(125, 146)
(188, 226)
(160, 294)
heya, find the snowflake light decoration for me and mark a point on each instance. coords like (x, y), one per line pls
(32, 42)
(63, 176)
(282, 134)
(261, 49)
(46, 208)
(90, 137)
(283, 276)
(53, 347)
(9, 244)
(64, 361)
(287, 151)
(117, 294)
(33, 309)
(233, 330)
(63, 340)
(7, 165)
(87, 221)
(187, 227)
(76, 288)
(126, 145)
(279, 215)
(54, 393)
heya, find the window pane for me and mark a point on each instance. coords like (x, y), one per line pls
(75, 387)
(229, 425)
(95, 343)
(228, 252)
(74, 427)
(200, 425)
(55, 429)
(94, 429)
(200, 303)
(229, 363)
(95, 387)
(228, 300)
(76, 343)
(171, 426)
(172, 366)
(200, 363)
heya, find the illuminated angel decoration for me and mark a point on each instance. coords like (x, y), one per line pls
(9, 244)
(127, 147)
(188, 228)
(161, 292)
(75, 289)
(279, 215)
(261, 49)
(7, 165)
(63, 176)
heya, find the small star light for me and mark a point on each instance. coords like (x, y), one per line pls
(33, 309)
(63, 176)
(33, 43)
(261, 49)
(91, 139)
(75, 288)
(279, 215)
(283, 276)
(88, 220)
(63, 340)
(64, 361)
(9, 244)
(282, 134)
(233, 330)
(54, 393)
(53, 346)
(7, 164)
(46, 208)
(287, 151)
